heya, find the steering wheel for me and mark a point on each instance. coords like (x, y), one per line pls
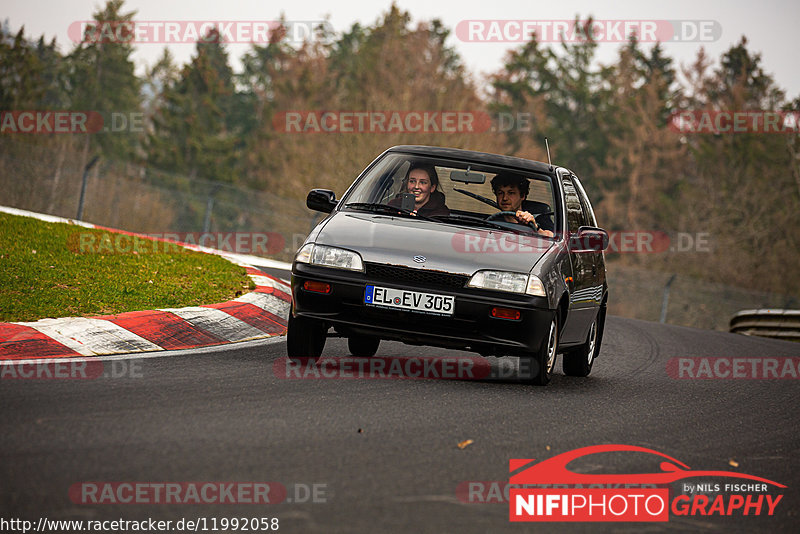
(499, 214)
(545, 214)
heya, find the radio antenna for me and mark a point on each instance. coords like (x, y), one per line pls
(547, 145)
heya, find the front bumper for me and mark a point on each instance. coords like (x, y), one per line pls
(471, 327)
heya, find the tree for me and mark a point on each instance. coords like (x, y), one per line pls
(743, 189)
(102, 78)
(263, 67)
(386, 67)
(23, 68)
(565, 91)
(644, 165)
(194, 132)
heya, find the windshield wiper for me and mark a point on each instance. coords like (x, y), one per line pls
(477, 221)
(386, 208)
(485, 200)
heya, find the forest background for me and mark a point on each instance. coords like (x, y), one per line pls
(199, 147)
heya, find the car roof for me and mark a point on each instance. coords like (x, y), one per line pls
(482, 157)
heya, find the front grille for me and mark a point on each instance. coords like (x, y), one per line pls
(393, 273)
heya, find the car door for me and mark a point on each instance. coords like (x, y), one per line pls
(581, 285)
(597, 256)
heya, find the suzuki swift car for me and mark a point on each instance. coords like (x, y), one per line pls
(456, 249)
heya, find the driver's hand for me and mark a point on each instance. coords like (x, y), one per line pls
(525, 217)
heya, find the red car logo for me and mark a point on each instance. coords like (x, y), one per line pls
(554, 470)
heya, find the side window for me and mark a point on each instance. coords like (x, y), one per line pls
(575, 215)
(587, 206)
(386, 188)
(397, 179)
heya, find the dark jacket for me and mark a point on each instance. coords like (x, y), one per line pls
(434, 206)
(535, 208)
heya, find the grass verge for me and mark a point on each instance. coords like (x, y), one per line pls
(60, 270)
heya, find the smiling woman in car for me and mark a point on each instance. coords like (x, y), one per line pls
(422, 181)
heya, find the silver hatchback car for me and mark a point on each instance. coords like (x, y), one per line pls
(457, 249)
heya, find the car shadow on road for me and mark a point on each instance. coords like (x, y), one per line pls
(459, 368)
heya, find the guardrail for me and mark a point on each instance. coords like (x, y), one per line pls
(780, 324)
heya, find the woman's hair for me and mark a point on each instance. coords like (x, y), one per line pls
(429, 169)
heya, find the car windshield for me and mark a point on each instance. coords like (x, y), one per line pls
(454, 192)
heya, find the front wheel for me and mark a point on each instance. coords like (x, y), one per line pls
(305, 338)
(579, 361)
(540, 365)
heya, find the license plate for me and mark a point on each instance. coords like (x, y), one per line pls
(415, 301)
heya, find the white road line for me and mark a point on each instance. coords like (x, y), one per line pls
(89, 337)
(46, 218)
(269, 282)
(267, 302)
(158, 354)
(246, 260)
(217, 322)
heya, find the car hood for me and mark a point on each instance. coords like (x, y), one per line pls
(446, 247)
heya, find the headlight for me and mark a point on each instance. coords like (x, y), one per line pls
(535, 287)
(337, 258)
(505, 281)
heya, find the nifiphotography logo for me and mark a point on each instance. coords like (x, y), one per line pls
(549, 491)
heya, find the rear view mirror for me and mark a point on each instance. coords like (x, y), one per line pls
(322, 200)
(468, 177)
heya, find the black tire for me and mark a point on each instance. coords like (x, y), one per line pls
(305, 338)
(541, 364)
(579, 361)
(363, 346)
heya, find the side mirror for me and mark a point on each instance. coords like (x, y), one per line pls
(323, 200)
(589, 239)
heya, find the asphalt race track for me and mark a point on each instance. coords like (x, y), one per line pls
(223, 415)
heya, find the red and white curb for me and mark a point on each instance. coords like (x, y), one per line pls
(259, 314)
